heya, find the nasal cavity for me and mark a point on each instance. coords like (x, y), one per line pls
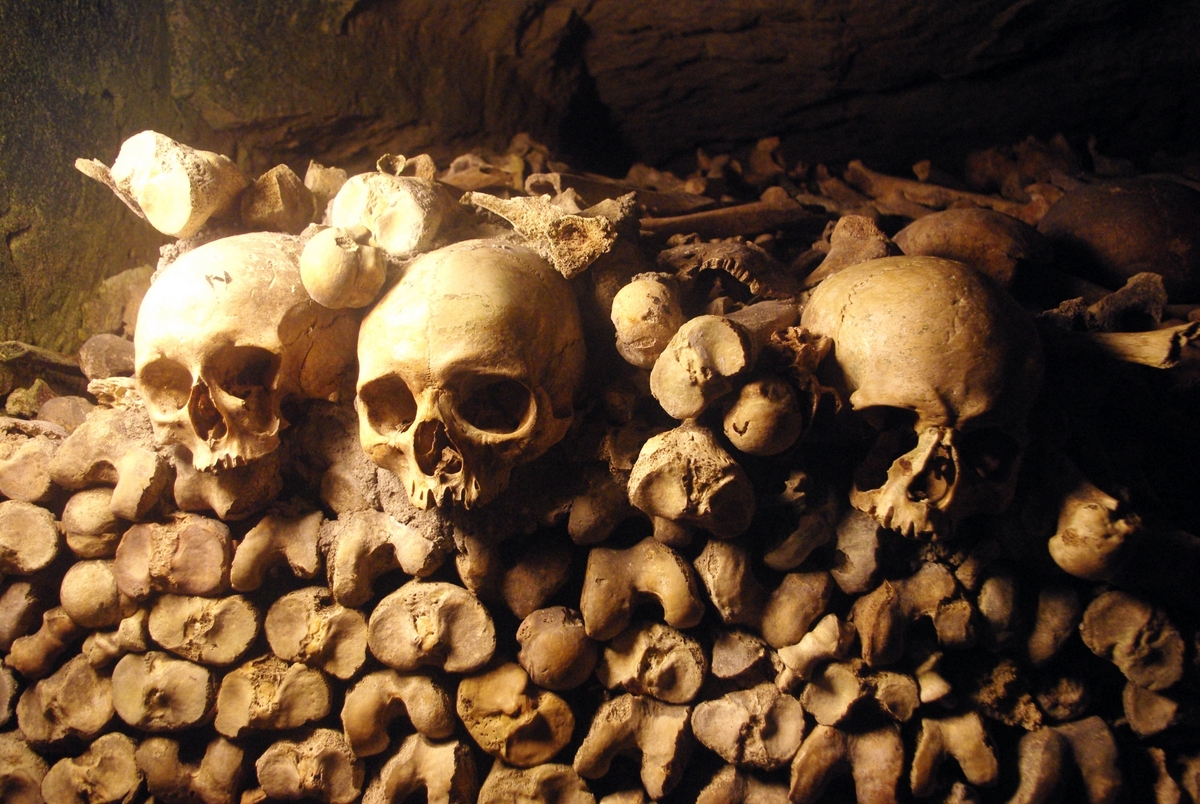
(937, 479)
(434, 451)
(205, 417)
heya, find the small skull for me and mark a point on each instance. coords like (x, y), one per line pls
(946, 365)
(467, 368)
(225, 334)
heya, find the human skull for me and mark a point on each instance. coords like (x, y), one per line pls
(467, 368)
(224, 335)
(947, 365)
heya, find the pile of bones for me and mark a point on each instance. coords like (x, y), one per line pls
(507, 483)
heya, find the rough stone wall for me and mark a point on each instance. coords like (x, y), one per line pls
(603, 81)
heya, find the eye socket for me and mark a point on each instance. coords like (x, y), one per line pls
(499, 406)
(167, 384)
(243, 370)
(389, 405)
(989, 454)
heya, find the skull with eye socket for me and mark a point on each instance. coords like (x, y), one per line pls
(224, 335)
(468, 367)
(946, 365)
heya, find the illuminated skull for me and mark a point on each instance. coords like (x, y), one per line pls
(224, 335)
(947, 366)
(467, 368)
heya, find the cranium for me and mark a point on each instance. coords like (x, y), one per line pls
(225, 334)
(467, 368)
(947, 365)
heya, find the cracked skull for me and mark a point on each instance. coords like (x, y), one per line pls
(225, 334)
(467, 368)
(945, 365)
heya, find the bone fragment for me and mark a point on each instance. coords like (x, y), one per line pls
(308, 626)
(751, 265)
(513, 720)
(540, 570)
(1135, 636)
(883, 615)
(724, 570)
(652, 658)
(1176, 348)
(755, 728)
(21, 770)
(765, 418)
(991, 241)
(1148, 713)
(854, 239)
(73, 703)
(731, 786)
(186, 554)
(743, 220)
(684, 480)
(812, 522)
(915, 199)
(1058, 613)
(366, 544)
(631, 724)
(549, 783)
(26, 449)
(91, 529)
(856, 568)
(617, 581)
(90, 597)
(1092, 531)
(875, 759)
(269, 693)
(132, 635)
(210, 631)
(23, 601)
(106, 771)
(277, 540)
(278, 201)
(324, 183)
(431, 623)
(215, 779)
(320, 767)
(738, 656)
(962, 737)
(233, 493)
(36, 655)
(556, 651)
(444, 770)
(379, 698)
(157, 692)
(794, 606)
(339, 268)
(646, 314)
(829, 640)
(1044, 755)
(405, 214)
(996, 603)
(30, 538)
(8, 694)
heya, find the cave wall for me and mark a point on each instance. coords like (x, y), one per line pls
(603, 82)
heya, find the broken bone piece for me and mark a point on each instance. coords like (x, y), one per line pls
(992, 242)
(232, 494)
(225, 334)
(445, 771)
(1135, 636)
(652, 658)
(362, 545)
(278, 201)
(731, 786)
(754, 728)
(174, 187)
(74, 703)
(632, 724)
(216, 778)
(854, 239)
(26, 449)
(875, 759)
(21, 770)
(1093, 529)
(549, 783)
(320, 767)
(684, 480)
(132, 635)
(406, 215)
(187, 554)
(324, 182)
(268, 693)
(308, 626)
(646, 314)
(36, 655)
(962, 737)
(1045, 756)
(277, 540)
(468, 367)
(513, 720)
(379, 698)
(210, 631)
(765, 418)
(157, 692)
(107, 770)
(724, 570)
(616, 582)
(556, 651)
(431, 623)
(829, 640)
(339, 268)
(30, 538)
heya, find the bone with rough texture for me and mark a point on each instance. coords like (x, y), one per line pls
(646, 314)
(993, 242)
(731, 786)
(269, 693)
(89, 595)
(321, 767)
(132, 635)
(652, 658)
(444, 770)
(874, 758)
(186, 554)
(1093, 529)
(1058, 613)
(30, 538)
(556, 651)
(73, 703)
(539, 570)
(811, 522)
(211, 631)
(23, 601)
(468, 367)
(882, 616)
(858, 550)
(854, 239)
(379, 698)
(405, 214)
(21, 770)
(656, 731)
(549, 783)
(684, 480)
(216, 778)
(105, 773)
(339, 268)
(324, 182)
(26, 449)
(156, 692)
(1137, 637)
(829, 640)
(36, 655)
(617, 581)
(724, 570)
(756, 728)
(176, 188)
(225, 334)
(276, 540)
(278, 201)
(1149, 713)
(962, 737)
(365, 544)
(1043, 760)
(233, 493)
(308, 626)
(707, 353)
(765, 418)
(91, 529)
(8, 694)
(793, 607)
(431, 623)
(511, 719)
